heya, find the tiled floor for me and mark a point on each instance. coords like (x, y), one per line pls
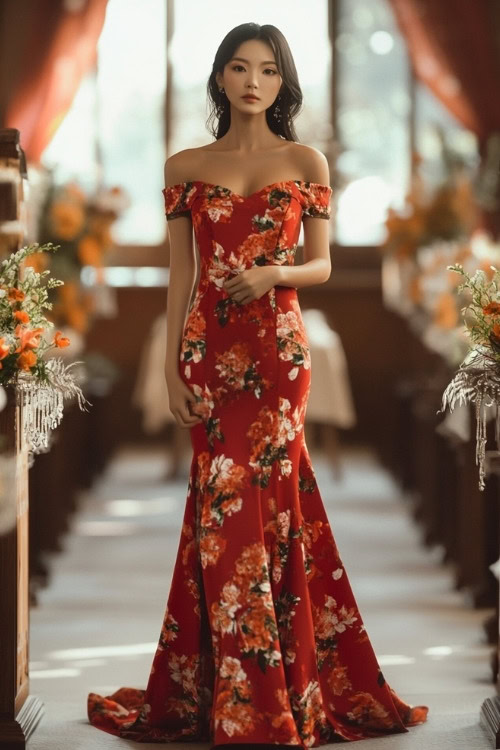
(97, 625)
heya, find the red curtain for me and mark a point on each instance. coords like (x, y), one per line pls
(453, 50)
(56, 45)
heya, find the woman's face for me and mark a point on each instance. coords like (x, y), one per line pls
(252, 70)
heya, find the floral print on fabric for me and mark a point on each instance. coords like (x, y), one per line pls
(262, 640)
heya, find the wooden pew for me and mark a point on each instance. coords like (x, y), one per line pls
(20, 712)
(438, 474)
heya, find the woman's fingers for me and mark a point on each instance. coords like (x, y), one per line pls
(188, 393)
(184, 419)
(184, 415)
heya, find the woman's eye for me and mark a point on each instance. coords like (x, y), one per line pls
(274, 72)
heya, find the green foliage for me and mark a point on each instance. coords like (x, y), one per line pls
(482, 326)
(24, 296)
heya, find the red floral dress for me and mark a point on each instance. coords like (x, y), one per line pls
(262, 640)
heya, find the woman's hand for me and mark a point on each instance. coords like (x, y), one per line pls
(252, 283)
(180, 397)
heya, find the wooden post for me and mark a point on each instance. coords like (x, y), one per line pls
(490, 708)
(19, 711)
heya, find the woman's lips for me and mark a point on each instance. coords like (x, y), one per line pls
(251, 98)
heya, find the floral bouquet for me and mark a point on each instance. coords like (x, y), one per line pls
(449, 212)
(477, 380)
(81, 224)
(41, 383)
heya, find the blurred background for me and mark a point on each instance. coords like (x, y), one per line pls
(402, 98)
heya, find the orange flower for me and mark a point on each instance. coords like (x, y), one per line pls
(66, 218)
(69, 292)
(485, 267)
(415, 290)
(22, 316)
(493, 308)
(37, 261)
(15, 294)
(26, 360)
(77, 319)
(99, 227)
(29, 338)
(75, 192)
(4, 348)
(89, 251)
(60, 340)
(446, 313)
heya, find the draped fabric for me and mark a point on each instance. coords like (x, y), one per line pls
(47, 47)
(453, 51)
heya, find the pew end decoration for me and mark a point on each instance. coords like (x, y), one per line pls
(477, 380)
(41, 382)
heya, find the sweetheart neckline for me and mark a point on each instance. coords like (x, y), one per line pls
(256, 192)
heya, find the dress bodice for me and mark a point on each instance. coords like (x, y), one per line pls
(261, 228)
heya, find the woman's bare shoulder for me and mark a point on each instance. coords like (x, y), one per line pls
(179, 166)
(312, 163)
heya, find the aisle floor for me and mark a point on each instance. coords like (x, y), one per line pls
(97, 625)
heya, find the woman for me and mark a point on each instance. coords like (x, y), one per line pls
(262, 641)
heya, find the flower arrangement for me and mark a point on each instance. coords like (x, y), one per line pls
(22, 321)
(40, 382)
(436, 229)
(477, 379)
(82, 227)
(449, 213)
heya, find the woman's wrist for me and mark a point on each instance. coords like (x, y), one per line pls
(277, 275)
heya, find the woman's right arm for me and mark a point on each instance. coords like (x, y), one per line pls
(182, 276)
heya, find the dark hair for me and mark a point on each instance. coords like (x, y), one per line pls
(289, 99)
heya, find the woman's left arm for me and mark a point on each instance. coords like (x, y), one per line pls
(317, 265)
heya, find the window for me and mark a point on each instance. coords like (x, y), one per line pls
(430, 117)
(116, 120)
(372, 119)
(115, 129)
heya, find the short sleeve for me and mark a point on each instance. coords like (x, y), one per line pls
(178, 199)
(315, 199)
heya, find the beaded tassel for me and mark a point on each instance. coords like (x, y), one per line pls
(42, 410)
(480, 439)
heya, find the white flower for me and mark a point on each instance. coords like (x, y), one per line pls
(290, 656)
(275, 657)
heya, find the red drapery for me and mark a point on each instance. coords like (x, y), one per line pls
(453, 51)
(56, 45)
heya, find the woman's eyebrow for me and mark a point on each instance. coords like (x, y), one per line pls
(266, 62)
